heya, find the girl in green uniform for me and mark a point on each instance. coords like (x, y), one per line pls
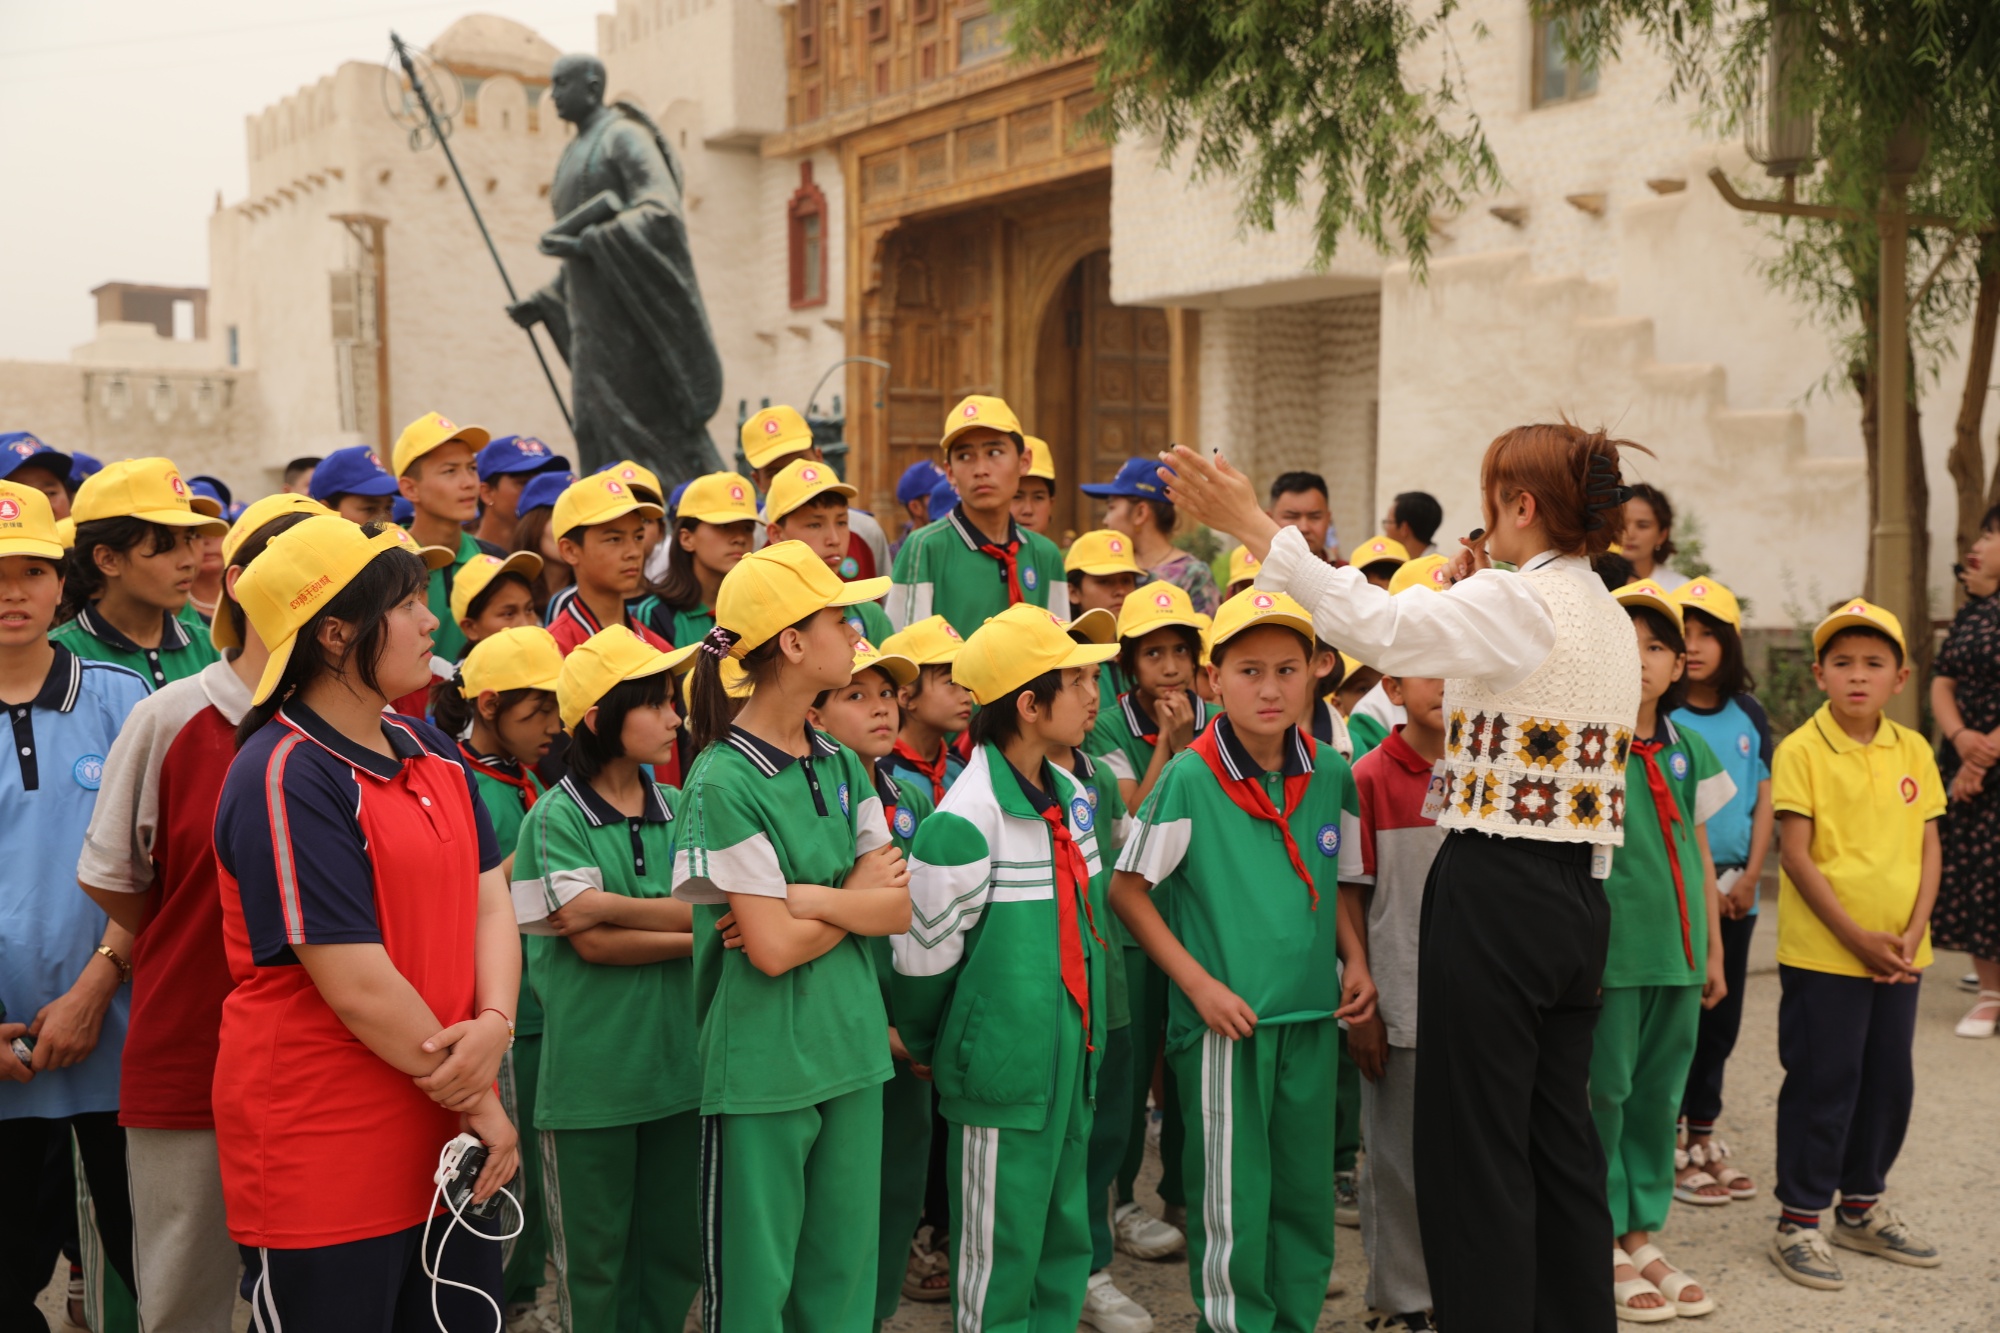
(784, 850)
(617, 1110)
(713, 528)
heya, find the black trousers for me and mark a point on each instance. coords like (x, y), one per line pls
(378, 1285)
(1510, 1175)
(29, 1216)
(1845, 1103)
(1716, 1037)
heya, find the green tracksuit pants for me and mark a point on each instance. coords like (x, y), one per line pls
(1638, 1070)
(1020, 1253)
(527, 1255)
(906, 1156)
(1347, 1110)
(1146, 990)
(1110, 1130)
(791, 1217)
(623, 1219)
(1260, 1176)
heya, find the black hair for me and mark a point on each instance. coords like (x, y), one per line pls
(477, 606)
(1732, 675)
(304, 463)
(591, 748)
(924, 677)
(453, 713)
(1867, 630)
(999, 722)
(1128, 649)
(252, 547)
(1613, 569)
(365, 602)
(710, 710)
(1292, 483)
(1420, 512)
(85, 581)
(1663, 514)
(1312, 647)
(1990, 522)
(1662, 627)
(1165, 516)
(529, 528)
(679, 589)
(823, 500)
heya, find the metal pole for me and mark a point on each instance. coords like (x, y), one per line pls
(1893, 538)
(437, 131)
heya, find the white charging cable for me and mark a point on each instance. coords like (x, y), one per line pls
(458, 1219)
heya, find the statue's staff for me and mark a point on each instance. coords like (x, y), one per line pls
(438, 133)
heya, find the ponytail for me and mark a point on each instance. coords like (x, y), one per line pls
(710, 710)
(1573, 475)
(451, 711)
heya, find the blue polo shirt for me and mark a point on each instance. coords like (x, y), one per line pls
(48, 929)
(1740, 735)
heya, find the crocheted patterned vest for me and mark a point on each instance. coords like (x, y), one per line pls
(1546, 759)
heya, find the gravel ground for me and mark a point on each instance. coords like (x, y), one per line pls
(1946, 1181)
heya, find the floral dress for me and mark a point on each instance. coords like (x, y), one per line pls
(1967, 916)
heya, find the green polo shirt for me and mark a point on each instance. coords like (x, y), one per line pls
(185, 647)
(679, 628)
(1645, 948)
(446, 640)
(618, 1043)
(905, 801)
(1107, 830)
(506, 808)
(1227, 888)
(1120, 736)
(941, 571)
(754, 819)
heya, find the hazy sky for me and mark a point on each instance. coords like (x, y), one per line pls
(122, 118)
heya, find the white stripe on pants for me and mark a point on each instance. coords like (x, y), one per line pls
(1218, 1129)
(977, 1173)
(1397, 1282)
(184, 1262)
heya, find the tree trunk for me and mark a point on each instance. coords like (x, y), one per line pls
(1967, 460)
(1922, 642)
(1861, 374)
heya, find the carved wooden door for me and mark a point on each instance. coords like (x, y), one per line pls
(1121, 381)
(942, 343)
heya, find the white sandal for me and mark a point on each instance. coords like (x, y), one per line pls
(1688, 1190)
(1673, 1284)
(1989, 1000)
(1623, 1292)
(1715, 1155)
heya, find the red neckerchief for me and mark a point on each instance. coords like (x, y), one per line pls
(1668, 811)
(1249, 796)
(479, 765)
(933, 771)
(1072, 887)
(1009, 556)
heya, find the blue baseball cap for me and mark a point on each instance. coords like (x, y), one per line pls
(355, 470)
(517, 453)
(19, 448)
(674, 500)
(919, 479)
(1137, 479)
(944, 497)
(544, 488)
(403, 512)
(235, 511)
(215, 488)
(82, 465)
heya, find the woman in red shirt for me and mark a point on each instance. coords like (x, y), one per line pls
(371, 941)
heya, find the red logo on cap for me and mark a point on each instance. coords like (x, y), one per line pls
(808, 474)
(1698, 590)
(1262, 601)
(1908, 787)
(771, 426)
(971, 411)
(863, 646)
(1437, 575)
(376, 461)
(445, 422)
(1162, 600)
(1115, 546)
(528, 444)
(628, 473)
(736, 492)
(1856, 609)
(611, 487)
(1054, 619)
(25, 447)
(10, 509)
(949, 632)
(174, 480)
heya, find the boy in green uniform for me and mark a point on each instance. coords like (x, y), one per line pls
(785, 853)
(131, 567)
(807, 503)
(1239, 835)
(1000, 981)
(1102, 574)
(433, 463)
(616, 1105)
(975, 562)
(935, 708)
(1662, 966)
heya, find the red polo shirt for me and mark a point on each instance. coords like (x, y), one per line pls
(322, 841)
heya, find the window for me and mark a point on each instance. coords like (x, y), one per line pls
(807, 227)
(878, 19)
(1556, 78)
(923, 11)
(807, 31)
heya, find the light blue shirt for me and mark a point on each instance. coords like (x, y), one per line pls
(1740, 735)
(48, 928)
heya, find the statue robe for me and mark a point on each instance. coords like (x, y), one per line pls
(627, 313)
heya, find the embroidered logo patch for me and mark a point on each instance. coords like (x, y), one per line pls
(1743, 744)
(1329, 839)
(26, 448)
(1080, 816)
(180, 487)
(842, 793)
(1679, 765)
(1908, 786)
(1163, 600)
(951, 633)
(10, 510)
(1115, 546)
(376, 462)
(1092, 794)
(528, 444)
(89, 771)
(1263, 601)
(1030, 579)
(971, 411)
(771, 427)
(736, 493)
(849, 567)
(808, 474)
(906, 823)
(1698, 590)
(613, 488)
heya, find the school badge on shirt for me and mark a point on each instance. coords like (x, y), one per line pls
(843, 798)
(906, 823)
(1329, 839)
(89, 772)
(1029, 578)
(1080, 816)
(1679, 764)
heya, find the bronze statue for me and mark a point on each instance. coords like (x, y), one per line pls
(625, 312)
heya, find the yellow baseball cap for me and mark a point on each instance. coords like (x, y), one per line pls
(635, 474)
(1016, 646)
(305, 567)
(980, 410)
(595, 499)
(928, 642)
(1095, 626)
(1243, 566)
(780, 586)
(222, 629)
(434, 557)
(1254, 607)
(476, 574)
(526, 657)
(1705, 594)
(1649, 594)
(65, 531)
(900, 669)
(1041, 460)
(718, 497)
(1155, 606)
(428, 432)
(1349, 664)
(736, 682)
(799, 481)
(1378, 549)
(775, 433)
(1102, 552)
(1858, 614)
(1431, 571)
(605, 660)
(145, 488)
(28, 524)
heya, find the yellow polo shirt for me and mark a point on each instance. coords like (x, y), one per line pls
(1869, 805)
